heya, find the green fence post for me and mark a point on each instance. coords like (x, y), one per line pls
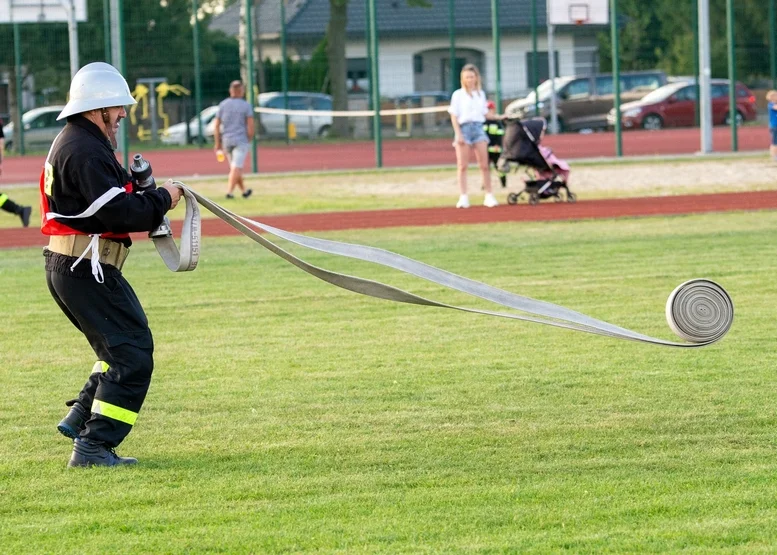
(197, 76)
(732, 75)
(534, 65)
(452, 46)
(250, 72)
(497, 52)
(284, 71)
(375, 91)
(616, 76)
(17, 54)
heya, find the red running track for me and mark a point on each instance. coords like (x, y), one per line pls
(546, 211)
(413, 152)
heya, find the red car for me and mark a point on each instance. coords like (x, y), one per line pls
(674, 105)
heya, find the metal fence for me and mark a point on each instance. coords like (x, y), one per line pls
(180, 55)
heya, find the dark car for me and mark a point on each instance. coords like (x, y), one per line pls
(583, 102)
(674, 105)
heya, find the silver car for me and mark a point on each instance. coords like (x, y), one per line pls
(176, 134)
(272, 125)
(40, 128)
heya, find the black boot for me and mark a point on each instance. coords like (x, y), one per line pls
(25, 215)
(86, 453)
(74, 422)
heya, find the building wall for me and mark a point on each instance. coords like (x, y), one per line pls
(397, 68)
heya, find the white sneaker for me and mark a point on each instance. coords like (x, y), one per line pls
(490, 201)
(463, 202)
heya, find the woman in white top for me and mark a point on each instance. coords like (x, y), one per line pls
(468, 111)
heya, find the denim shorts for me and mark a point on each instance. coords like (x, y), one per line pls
(236, 154)
(774, 135)
(473, 132)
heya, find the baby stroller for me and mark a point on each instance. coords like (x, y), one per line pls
(547, 175)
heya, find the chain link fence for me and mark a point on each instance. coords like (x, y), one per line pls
(318, 53)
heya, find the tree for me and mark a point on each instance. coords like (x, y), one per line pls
(335, 50)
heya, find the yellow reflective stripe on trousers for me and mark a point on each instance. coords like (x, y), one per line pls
(100, 366)
(112, 411)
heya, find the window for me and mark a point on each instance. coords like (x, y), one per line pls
(604, 85)
(275, 102)
(643, 81)
(543, 71)
(719, 91)
(578, 89)
(686, 93)
(297, 103)
(320, 103)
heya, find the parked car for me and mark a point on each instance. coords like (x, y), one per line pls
(674, 105)
(176, 134)
(40, 128)
(272, 125)
(583, 102)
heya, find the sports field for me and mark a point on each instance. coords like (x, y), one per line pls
(287, 415)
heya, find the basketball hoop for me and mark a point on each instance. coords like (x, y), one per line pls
(578, 13)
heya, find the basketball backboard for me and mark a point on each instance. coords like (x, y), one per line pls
(578, 12)
(39, 11)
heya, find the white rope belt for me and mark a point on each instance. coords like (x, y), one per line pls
(699, 311)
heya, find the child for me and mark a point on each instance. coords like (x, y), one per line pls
(771, 96)
(495, 130)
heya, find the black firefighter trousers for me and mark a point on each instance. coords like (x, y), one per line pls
(109, 314)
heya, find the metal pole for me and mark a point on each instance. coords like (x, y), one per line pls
(72, 33)
(107, 28)
(705, 71)
(285, 71)
(497, 52)
(250, 72)
(732, 75)
(197, 76)
(552, 72)
(773, 42)
(120, 63)
(17, 52)
(695, 25)
(452, 46)
(375, 91)
(616, 76)
(534, 65)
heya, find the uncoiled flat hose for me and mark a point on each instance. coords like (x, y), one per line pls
(699, 311)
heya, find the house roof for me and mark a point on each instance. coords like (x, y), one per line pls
(309, 18)
(267, 17)
(395, 17)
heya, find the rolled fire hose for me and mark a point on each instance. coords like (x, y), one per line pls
(699, 311)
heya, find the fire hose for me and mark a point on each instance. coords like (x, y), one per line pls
(699, 311)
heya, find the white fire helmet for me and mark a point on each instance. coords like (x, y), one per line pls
(97, 85)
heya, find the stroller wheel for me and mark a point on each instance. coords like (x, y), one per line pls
(557, 198)
(512, 198)
(571, 197)
(533, 198)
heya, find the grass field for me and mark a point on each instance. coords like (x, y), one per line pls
(286, 415)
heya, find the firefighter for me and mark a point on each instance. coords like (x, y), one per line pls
(5, 203)
(90, 208)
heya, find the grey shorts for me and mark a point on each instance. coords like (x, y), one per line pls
(236, 154)
(473, 132)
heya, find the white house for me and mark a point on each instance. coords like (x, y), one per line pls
(414, 42)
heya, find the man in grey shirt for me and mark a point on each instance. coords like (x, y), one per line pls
(233, 130)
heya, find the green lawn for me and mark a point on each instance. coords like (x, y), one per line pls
(287, 415)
